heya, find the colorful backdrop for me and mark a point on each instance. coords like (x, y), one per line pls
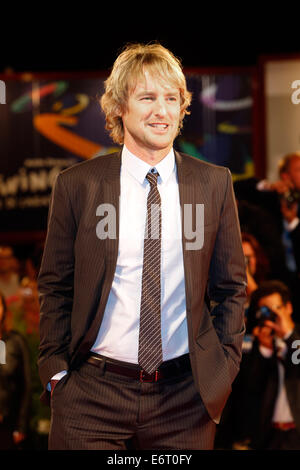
(49, 124)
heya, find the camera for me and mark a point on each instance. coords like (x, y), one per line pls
(264, 313)
(291, 197)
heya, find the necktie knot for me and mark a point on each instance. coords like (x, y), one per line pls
(152, 178)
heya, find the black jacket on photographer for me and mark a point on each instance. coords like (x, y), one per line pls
(261, 386)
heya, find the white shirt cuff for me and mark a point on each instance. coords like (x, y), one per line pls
(290, 226)
(57, 376)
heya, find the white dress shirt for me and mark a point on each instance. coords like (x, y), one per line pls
(119, 332)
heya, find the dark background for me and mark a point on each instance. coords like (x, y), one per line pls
(89, 36)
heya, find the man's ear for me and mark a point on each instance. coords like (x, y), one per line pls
(119, 111)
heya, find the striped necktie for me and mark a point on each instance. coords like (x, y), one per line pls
(150, 343)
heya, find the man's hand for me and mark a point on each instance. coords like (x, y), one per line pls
(264, 334)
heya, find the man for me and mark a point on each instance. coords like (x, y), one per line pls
(271, 369)
(143, 325)
(288, 190)
(270, 212)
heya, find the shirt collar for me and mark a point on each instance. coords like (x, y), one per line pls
(139, 169)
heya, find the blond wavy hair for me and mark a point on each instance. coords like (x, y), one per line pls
(130, 67)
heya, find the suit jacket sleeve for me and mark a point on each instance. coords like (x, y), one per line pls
(227, 282)
(55, 283)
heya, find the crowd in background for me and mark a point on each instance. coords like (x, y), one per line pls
(24, 420)
(263, 411)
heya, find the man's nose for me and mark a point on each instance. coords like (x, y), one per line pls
(160, 108)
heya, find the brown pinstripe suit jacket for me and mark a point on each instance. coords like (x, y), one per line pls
(78, 268)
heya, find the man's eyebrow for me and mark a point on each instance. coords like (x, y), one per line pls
(145, 92)
(172, 93)
(152, 93)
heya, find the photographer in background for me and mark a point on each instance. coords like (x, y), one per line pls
(271, 393)
(288, 190)
(279, 233)
(288, 186)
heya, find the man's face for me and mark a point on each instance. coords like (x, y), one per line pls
(151, 119)
(293, 173)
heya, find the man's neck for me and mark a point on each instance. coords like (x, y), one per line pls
(152, 157)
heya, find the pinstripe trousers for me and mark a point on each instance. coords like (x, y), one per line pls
(95, 409)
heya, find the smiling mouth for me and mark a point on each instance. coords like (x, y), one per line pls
(159, 126)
